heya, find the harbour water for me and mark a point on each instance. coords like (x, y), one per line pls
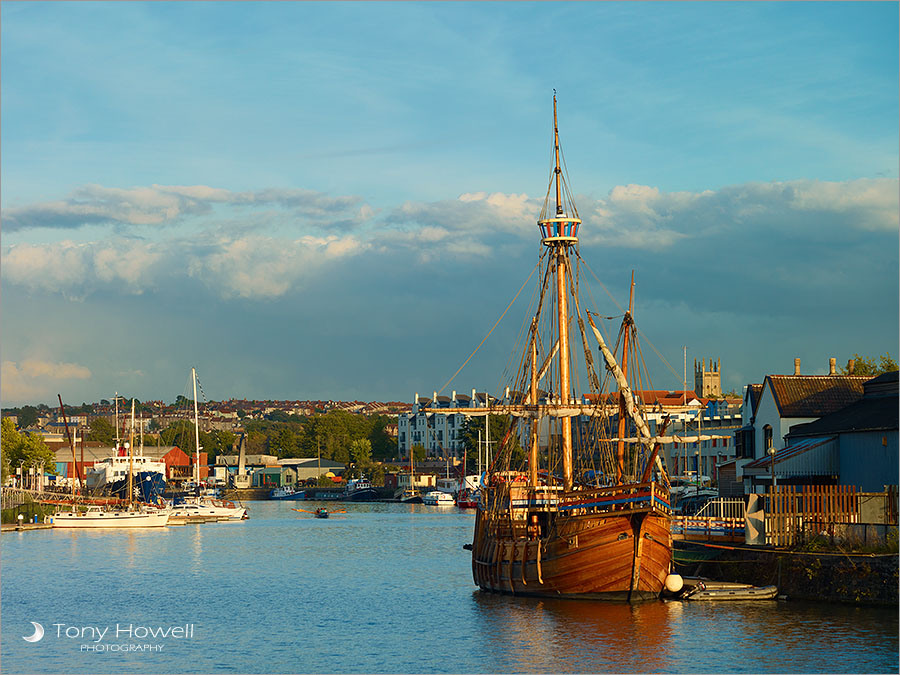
(385, 588)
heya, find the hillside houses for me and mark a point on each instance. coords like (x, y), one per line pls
(228, 415)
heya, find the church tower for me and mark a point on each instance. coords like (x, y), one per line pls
(708, 383)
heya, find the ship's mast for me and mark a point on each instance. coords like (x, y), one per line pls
(620, 446)
(532, 399)
(559, 232)
(557, 170)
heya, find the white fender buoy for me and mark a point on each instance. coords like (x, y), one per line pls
(674, 583)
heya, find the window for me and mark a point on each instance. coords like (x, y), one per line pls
(767, 437)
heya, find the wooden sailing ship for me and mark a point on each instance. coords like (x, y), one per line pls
(587, 514)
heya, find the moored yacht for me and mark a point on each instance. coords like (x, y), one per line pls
(95, 517)
(438, 498)
(202, 508)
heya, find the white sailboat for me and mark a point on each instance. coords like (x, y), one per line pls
(204, 508)
(129, 517)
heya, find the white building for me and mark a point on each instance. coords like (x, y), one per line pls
(439, 433)
(783, 401)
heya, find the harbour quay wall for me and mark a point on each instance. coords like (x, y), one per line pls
(860, 579)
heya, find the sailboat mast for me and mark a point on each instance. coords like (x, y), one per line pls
(131, 460)
(62, 411)
(196, 434)
(620, 445)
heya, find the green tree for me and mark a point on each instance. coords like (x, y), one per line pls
(257, 443)
(181, 434)
(101, 431)
(215, 443)
(361, 453)
(283, 442)
(24, 450)
(376, 474)
(383, 446)
(418, 452)
(498, 425)
(867, 366)
(27, 416)
(336, 430)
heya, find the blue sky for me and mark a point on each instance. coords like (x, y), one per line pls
(338, 200)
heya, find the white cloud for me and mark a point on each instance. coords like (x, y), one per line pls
(265, 268)
(871, 204)
(35, 379)
(75, 269)
(54, 371)
(251, 261)
(166, 204)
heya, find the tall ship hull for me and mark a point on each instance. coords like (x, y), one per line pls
(605, 544)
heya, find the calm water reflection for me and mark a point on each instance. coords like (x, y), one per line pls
(385, 589)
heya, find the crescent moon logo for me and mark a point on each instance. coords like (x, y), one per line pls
(38, 633)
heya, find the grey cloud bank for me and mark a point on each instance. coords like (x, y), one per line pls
(807, 263)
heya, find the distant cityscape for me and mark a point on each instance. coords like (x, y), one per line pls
(732, 441)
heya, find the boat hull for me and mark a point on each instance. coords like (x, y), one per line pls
(618, 555)
(110, 519)
(361, 495)
(206, 509)
(285, 496)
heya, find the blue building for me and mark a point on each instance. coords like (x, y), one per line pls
(854, 445)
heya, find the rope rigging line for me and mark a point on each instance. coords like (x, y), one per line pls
(602, 285)
(643, 337)
(491, 330)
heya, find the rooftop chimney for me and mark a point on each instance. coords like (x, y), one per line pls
(851, 366)
(796, 366)
(831, 363)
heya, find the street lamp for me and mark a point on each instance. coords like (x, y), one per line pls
(772, 466)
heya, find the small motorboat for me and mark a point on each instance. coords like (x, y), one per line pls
(707, 589)
(320, 512)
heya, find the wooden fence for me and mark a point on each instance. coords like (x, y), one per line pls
(798, 513)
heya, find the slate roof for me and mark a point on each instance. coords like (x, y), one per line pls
(753, 393)
(814, 395)
(877, 410)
